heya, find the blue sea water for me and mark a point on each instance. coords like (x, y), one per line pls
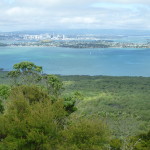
(69, 61)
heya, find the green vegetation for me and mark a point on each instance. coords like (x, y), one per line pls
(124, 102)
(48, 112)
(25, 73)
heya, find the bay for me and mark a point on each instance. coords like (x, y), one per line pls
(69, 61)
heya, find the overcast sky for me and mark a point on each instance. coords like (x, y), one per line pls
(18, 15)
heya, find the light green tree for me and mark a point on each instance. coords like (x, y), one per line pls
(25, 73)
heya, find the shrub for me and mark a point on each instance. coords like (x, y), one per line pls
(30, 93)
(4, 91)
(88, 134)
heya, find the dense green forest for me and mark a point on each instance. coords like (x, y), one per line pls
(51, 112)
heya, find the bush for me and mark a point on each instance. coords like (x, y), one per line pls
(32, 121)
(31, 126)
(86, 134)
(4, 91)
(30, 93)
(144, 141)
(1, 107)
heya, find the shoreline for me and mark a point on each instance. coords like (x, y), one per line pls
(80, 47)
(62, 75)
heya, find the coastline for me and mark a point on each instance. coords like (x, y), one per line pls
(62, 75)
(78, 47)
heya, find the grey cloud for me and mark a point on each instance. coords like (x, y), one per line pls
(48, 14)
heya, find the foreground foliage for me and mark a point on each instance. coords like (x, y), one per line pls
(42, 125)
(40, 112)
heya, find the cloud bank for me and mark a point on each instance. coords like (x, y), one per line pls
(72, 14)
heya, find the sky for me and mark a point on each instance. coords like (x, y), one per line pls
(18, 15)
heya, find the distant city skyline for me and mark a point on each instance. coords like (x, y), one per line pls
(18, 15)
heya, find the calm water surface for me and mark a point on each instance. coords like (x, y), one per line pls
(67, 61)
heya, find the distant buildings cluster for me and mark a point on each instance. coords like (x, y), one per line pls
(43, 37)
(20, 36)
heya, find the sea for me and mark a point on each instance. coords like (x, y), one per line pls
(70, 61)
